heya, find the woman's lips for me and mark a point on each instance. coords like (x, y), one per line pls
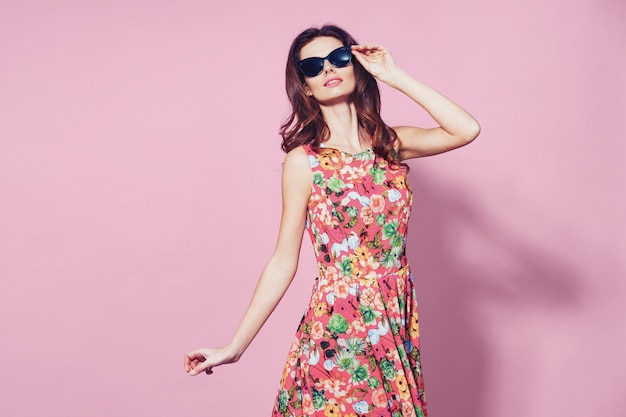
(332, 82)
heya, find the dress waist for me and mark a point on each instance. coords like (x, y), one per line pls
(330, 275)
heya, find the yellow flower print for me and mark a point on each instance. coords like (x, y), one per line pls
(321, 309)
(399, 182)
(354, 261)
(332, 410)
(362, 252)
(403, 388)
(414, 326)
(285, 374)
(326, 163)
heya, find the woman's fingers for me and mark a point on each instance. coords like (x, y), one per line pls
(200, 367)
(195, 362)
(368, 49)
(205, 359)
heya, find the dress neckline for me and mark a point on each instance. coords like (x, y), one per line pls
(366, 150)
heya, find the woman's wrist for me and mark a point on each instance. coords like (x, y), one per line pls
(396, 78)
(233, 351)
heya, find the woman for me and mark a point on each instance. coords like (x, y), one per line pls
(356, 350)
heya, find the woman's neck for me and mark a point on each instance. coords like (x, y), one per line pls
(345, 133)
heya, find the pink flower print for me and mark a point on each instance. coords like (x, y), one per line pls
(367, 215)
(317, 330)
(377, 203)
(379, 398)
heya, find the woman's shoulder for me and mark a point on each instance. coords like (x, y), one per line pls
(297, 174)
(298, 157)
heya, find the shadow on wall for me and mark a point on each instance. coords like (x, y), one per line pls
(462, 262)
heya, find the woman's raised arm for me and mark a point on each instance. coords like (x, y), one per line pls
(456, 126)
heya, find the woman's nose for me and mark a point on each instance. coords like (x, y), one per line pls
(328, 66)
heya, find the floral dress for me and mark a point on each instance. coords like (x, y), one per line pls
(356, 350)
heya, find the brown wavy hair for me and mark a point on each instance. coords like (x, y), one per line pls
(306, 125)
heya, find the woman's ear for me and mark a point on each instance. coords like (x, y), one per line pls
(307, 90)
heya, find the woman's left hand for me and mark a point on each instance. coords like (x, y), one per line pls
(375, 59)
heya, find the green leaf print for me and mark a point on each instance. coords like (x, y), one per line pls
(283, 399)
(356, 345)
(388, 259)
(401, 303)
(344, 266)
(296, 405)
(373, 383)
(372, 362)
(368, 314)
(390, 229)
(319, 401)
(415, 355)
(360, 374)
(403, 357)
(374, 244)
(318, 178)
(377, 174)
(397, 242)
(345, 360)
(395, 329)
(353, 222)
(387, 385)
(388, 369)
(337, 324)
(338, 214)
(335, 184)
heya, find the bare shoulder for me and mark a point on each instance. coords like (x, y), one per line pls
(297, 174)
(297, 163)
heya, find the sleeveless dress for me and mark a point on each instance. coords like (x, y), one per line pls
(356, 350)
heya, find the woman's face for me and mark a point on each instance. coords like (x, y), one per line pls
(333, 84)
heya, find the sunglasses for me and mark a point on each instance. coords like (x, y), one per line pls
(339, 58)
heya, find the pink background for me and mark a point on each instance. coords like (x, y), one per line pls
(140, 199)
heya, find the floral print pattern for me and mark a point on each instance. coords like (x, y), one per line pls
(356, 350)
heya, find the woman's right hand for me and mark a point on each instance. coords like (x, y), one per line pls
(205, 359)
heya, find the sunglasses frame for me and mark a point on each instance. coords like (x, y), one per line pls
(328, 58)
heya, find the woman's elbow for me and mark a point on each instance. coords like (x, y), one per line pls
(470, 132)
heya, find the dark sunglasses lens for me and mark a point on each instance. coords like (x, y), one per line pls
(340, 57)
(312, 66)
